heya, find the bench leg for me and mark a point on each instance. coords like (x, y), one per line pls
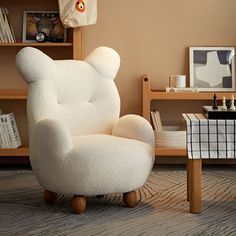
(194, 186)
(188, 179)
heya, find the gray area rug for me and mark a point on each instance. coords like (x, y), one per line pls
(162, 207)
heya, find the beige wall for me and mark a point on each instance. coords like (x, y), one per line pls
(153, 36)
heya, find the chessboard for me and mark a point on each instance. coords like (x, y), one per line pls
(219, 113)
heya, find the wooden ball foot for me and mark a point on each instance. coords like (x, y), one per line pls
(78, 204)
(130, 199)
(49, 197)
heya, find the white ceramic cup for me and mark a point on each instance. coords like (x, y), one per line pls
(177, 81)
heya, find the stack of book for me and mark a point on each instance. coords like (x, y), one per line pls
(6, 31)
(9, 135)
(181, 90)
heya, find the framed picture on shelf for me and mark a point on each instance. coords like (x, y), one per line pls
(43, 26)
(212, 68)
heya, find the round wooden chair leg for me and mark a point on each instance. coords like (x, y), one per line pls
(130, 199)
(78, 204)
(49, 197)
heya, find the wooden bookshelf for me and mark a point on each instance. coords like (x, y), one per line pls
(13, 99)
(149, 95)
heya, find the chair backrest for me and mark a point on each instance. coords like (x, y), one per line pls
(80, 94)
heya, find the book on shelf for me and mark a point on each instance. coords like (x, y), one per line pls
(9, 134)
(6, 31)
(181, 90)
(154, 124)
(156, 120)
(3, 132)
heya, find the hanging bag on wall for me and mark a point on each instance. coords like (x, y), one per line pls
(75, 13)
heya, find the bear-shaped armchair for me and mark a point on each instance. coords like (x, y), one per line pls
(78, 144)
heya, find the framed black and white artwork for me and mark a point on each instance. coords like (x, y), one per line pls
(212, 68)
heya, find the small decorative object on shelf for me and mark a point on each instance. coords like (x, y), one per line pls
(226, 111)
(232, 107)
(224, 107)
(214, 105)
(43, 26)
(218, 114)
(177, 81)
(41, 37)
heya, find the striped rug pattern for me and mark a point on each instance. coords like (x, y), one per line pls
(162, 207)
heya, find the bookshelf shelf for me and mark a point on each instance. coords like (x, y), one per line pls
(161, 95)
(21, 151)
(32, 44)
(13, 94)
(170, 152)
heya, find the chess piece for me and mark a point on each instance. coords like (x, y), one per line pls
(232, 107)
(224, 107)
(214, 105)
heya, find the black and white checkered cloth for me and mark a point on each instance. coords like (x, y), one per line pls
(210, 139)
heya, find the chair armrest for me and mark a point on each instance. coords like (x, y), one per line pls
(52, 138)
(134, 127)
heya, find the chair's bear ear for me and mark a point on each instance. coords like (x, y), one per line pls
(34, 65)
(105, 60)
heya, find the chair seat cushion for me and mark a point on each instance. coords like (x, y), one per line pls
(106, 164)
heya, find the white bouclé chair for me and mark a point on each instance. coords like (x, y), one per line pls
(78, 143)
